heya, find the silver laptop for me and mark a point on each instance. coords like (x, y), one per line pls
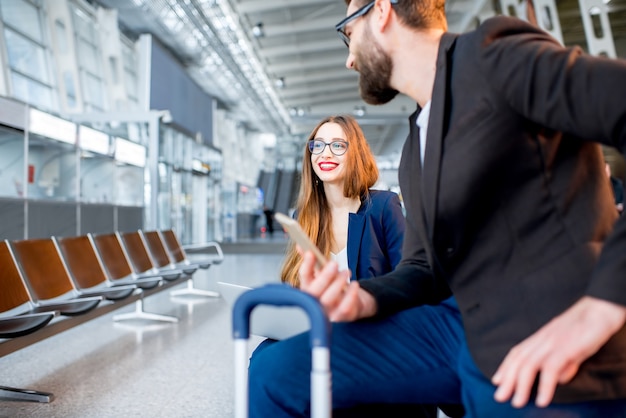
(276, 322)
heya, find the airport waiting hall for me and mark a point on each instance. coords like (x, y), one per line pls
(131, 126)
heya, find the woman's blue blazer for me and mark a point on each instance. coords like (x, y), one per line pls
(375, 235)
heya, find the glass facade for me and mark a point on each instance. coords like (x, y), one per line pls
(59, 61)
(97, 166)
(74, 168)
(130, 65)
(52, 169)
(90, 62)
(175, 183)
(12, 169)
(29, 70)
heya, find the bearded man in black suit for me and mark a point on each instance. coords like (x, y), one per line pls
(511, 295)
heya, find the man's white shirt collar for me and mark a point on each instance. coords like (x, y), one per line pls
(422, 124)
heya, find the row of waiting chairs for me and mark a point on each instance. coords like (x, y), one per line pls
(43, 278)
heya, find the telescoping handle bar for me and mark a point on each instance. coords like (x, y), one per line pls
(283, 295)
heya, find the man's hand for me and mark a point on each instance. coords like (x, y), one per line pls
(556, 351)
(341, 301)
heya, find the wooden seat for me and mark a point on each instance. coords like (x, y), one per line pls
(141, 259)
(19, 297)
(160, 255)
(85, 269)
(16, 319)
(14, 293)
(46, 274)
(179, 255)
(158, 247)
(115, 258)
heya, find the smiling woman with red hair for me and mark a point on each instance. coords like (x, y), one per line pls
(360, 228)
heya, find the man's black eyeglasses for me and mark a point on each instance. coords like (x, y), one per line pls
(341, 26)
(337, 147)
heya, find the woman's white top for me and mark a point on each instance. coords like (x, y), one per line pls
(341, 258)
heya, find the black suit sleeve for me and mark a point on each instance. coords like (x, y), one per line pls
(565, 90)
(411, 283)
(559, 88)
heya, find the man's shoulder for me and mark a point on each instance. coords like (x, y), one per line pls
(505, 26)
(497, 36)
(503, 22)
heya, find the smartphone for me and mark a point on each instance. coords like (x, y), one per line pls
(297, 234)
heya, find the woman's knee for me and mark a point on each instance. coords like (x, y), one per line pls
(280, 364)
(279, 382)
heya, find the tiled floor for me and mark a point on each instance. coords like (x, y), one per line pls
(143, 369)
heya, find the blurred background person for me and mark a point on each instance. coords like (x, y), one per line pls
(269, 220)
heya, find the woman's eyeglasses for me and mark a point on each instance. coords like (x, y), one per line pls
(317, 146)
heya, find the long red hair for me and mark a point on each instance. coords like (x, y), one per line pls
(312, 208)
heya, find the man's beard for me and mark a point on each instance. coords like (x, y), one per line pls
(374, 67)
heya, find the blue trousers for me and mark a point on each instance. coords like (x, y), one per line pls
(415, 356)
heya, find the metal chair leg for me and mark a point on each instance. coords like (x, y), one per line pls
(139, 313)
(15, 394)
(191, 290)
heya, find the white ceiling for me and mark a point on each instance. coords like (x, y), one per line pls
(301, 47)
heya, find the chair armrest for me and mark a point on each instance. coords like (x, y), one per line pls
(206, 246)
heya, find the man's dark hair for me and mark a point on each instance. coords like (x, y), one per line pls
(418, 14)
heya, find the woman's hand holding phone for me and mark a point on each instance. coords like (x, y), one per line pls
(297, 234)
(342, 300)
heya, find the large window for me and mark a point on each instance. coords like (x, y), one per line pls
(175, 182)
(89, 60)
(97, 166)
(11, 163)
(130, 74)
(27, 55)
(51, 169)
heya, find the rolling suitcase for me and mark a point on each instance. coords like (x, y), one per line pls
(283, 295)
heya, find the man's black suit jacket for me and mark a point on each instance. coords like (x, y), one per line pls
(512, 212)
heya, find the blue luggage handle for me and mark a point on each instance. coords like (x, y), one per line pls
(319, 338)
(281, 295)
